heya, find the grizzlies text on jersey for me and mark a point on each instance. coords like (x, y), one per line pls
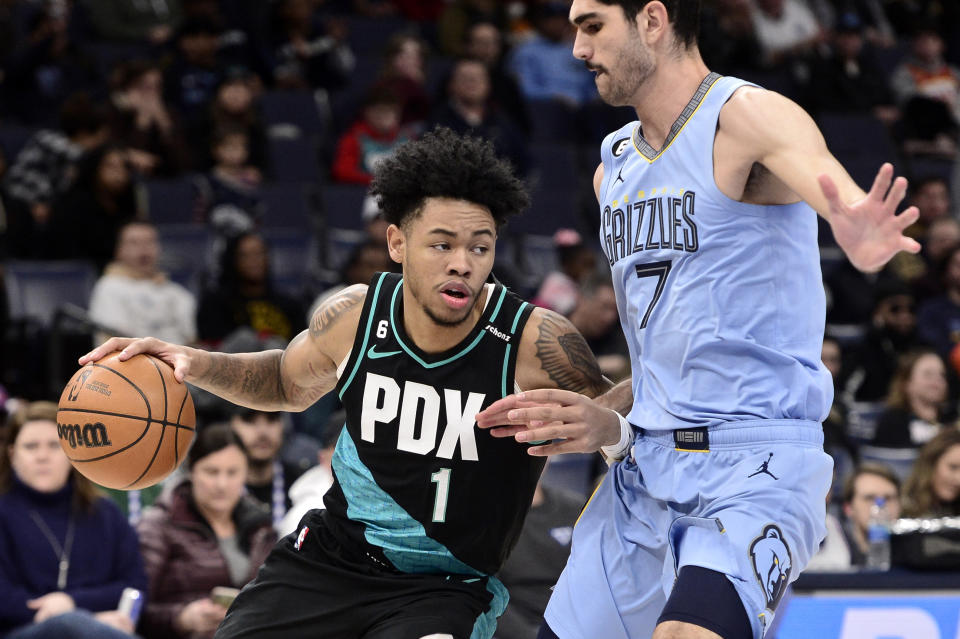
(719, 314)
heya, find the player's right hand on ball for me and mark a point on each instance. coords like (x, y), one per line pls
(178, 357)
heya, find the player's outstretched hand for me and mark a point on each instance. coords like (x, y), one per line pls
(869, 231)
(572, 422)
(173, 354)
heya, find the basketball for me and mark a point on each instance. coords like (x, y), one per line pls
(125, 425)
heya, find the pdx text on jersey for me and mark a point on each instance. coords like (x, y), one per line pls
(663, 220)
(383, 399)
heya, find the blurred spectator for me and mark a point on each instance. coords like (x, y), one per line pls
(135, 299)
(877, 29)
(933, 488)
(46, 67)
(306, 53)
(404, 73)
(484, 42)
(786, 29)
(560, 290)
(246, 300)
(66, 552)
(931, 196)
(268, 477)
(233, 107)
(852, 294)
(941, 237)
(461, 16)
(196, 70)
(87, 217)
(45, 167)
(938, 319)
(918, 391)
(928, 90)
(863, 487)
(366, 260)
(307, 492)
(849, 79)
(537, 560)
(228, 195)
(143, 122)
(543, 64)
(138, 21)
(375, 224)
(835, 440)
(728, 41)
(891, 335)
(373, 137)
(597, 319)
(468, 111)
(201, 534)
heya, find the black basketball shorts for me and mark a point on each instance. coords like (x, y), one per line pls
(323, 589)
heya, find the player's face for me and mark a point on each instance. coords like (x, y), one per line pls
(611, 47)
(447, 254)
(867, 488)
(261, 434)
(218, 480)
(37, 458)
(946, 475)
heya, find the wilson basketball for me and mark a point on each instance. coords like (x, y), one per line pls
(125, 424)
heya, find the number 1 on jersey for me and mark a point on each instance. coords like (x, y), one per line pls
(660, 270)
(442, 479)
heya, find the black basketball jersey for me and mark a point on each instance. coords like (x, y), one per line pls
(415, 481)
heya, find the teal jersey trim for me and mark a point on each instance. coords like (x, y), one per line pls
(496, 309)
(506, 355)
(366, 335)
(417, 358)
(486, 623)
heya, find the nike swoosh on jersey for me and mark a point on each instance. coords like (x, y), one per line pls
(372, 354)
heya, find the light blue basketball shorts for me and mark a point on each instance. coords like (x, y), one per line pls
(752, 507)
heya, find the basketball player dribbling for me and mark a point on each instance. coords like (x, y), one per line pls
(425, 507)
(707, 219)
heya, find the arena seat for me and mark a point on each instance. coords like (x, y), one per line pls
(35, 289)
(292, 114)
(171, 201)
(294, 159)
(287, 205)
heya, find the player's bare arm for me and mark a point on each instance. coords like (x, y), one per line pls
(761, 128)
(277, 380)
(555, 360)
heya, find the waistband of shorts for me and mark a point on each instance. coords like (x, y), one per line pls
(734, 434)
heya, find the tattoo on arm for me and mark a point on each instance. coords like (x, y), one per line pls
(324, 316)
(251, 378)
(566, 358)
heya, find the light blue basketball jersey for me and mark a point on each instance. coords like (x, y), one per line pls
(721, 302)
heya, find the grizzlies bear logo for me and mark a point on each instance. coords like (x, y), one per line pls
(771, 564)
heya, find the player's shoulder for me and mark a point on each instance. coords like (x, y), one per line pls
(553, 354)
(339, 309)
(750, 107)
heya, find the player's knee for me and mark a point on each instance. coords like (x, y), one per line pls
(682, 630)
(685, 617)
(437, 636)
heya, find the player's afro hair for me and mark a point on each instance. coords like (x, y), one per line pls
(444, 164)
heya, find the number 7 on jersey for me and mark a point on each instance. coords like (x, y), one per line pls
(660, 270)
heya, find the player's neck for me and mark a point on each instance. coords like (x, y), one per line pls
(666, 94)
(431, 337)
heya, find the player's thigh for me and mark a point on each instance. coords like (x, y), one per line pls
(612, 583)
(430, 614)
(765, 530)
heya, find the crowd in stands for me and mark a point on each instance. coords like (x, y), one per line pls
(201, 167)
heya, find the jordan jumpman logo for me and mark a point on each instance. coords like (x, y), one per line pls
(764, 468)
(619, 176)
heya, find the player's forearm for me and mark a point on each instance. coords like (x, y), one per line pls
(247, 379)
(619, 398)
